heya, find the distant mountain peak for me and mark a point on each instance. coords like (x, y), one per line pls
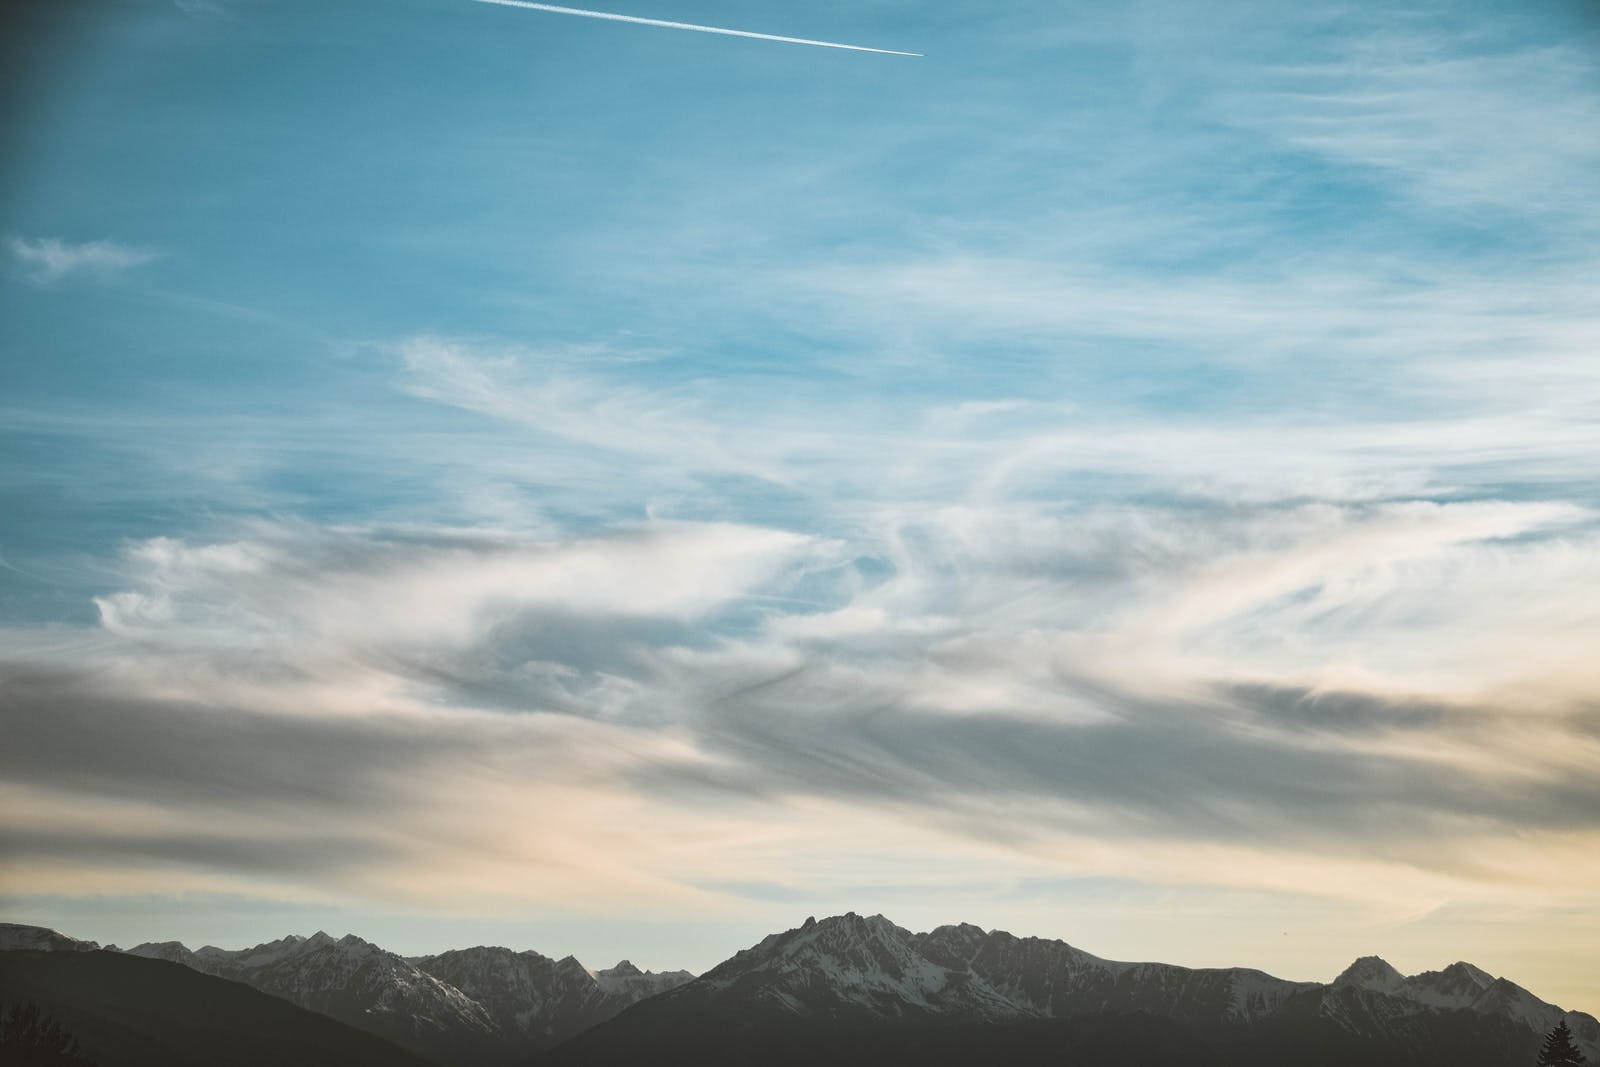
(171, 951)
(1468, 971)
(623, 969)
(357, 946)
(1371, 972)
(1456, 986)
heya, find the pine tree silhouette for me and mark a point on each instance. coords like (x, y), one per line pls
(1558, 1050)
(30, 1038)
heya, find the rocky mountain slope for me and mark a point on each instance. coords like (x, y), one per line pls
(355, 982)
(539, 1000)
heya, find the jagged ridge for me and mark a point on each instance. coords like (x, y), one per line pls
(858, 970)
(471, 1005)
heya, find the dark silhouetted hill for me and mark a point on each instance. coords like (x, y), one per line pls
(126, 1011)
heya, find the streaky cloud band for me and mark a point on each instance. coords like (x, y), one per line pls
(612, 17)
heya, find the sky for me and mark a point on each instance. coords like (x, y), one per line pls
(477, 475)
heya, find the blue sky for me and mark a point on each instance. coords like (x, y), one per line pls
(471, 474)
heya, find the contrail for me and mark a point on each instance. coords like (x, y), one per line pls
(689, 26)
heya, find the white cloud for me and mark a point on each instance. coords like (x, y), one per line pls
(50, 259)
(355, 620)
(655, 425)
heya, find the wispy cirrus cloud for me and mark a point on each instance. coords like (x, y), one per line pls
(1227, 680)
(46, 260)
(1468, 121)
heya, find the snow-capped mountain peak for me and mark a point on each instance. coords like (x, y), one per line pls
(854, 966)
(1457, 986)
(1371, 972)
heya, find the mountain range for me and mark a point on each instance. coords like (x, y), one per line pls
(480, 1005)
(831, 990)
(859, 989)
